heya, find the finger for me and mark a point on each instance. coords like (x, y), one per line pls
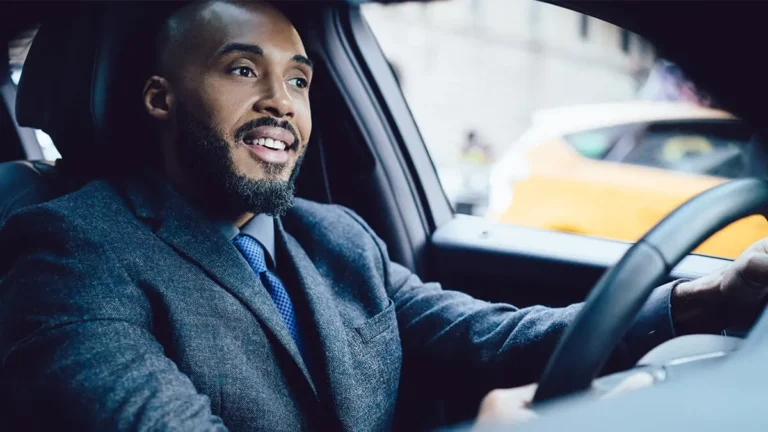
(506, 417)
(521, 415)
(754, 269)
(525, 392)
(507, 406)
(759, 246)
(517, 396)
(633, 382)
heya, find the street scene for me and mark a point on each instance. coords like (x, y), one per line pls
(540, 116)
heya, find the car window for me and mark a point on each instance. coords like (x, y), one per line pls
(18, 49)
(539, 116)
(708, 148)
(597, 143)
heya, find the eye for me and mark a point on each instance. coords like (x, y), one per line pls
(298, 82)
(243, 71)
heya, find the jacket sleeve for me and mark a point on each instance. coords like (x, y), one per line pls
(498, 345)
(76, 346)
(495, 345)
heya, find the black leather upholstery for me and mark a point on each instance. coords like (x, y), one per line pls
(82, 83)
(24, 183)
(77, 77)
(58, 101)
(53, 95)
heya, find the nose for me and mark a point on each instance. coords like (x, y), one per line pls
(275, 99)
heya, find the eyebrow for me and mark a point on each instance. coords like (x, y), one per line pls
(298, 58)
(257, 50)
(240, 47)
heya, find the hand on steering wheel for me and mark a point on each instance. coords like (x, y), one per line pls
(742, 286)
(732, 296)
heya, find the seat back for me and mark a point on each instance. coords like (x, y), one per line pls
(92, 106)
(23, 183)
(76, 71)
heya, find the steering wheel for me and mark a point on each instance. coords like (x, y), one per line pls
(618, 296)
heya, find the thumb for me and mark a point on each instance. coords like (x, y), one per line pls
(754, 269)
(633, 382)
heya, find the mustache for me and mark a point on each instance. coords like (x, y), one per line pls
(267, 121)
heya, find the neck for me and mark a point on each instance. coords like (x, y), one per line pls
(243, 219)
(182, 185)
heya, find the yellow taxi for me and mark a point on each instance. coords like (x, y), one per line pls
(615, 170)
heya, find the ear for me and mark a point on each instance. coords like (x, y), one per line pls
(158, 97)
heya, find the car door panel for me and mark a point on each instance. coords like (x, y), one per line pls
(525, 266)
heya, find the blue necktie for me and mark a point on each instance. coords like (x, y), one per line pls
(253, 253)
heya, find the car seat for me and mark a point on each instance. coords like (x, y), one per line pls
(76, 71)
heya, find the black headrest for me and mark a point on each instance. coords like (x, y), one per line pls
(82, 79)
(4, 70)
(55, 88)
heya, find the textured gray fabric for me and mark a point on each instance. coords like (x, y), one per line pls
(123, 309)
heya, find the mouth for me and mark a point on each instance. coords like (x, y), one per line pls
(270, 144)
(267, 142)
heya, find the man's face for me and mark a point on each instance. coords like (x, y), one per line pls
(238, 107)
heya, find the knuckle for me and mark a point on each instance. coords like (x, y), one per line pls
(492, 396)
(751, 259)
(747, 261)
(752, 268)
(493, 399)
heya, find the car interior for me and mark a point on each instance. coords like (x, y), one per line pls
(83, 74)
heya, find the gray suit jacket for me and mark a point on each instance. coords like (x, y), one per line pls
(121, 308)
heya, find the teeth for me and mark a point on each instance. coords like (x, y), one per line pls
(270, 143)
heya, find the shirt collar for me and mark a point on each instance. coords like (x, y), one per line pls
(261, 228)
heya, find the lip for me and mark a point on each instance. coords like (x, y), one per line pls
(276, 133)
(268, 155)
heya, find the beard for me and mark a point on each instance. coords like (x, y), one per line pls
(205, 156)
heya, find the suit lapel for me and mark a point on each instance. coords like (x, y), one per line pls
(184, 229)
(331, 333)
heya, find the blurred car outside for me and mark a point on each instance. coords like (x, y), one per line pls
(615, 170)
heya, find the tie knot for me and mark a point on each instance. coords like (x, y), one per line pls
(252, 251)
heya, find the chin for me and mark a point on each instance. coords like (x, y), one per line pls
(267, 173)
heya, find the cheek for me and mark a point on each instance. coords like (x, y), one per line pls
(225, 105)
(244, 162)
(304, 121)
(240, 155)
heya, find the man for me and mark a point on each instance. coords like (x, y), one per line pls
(174, 300)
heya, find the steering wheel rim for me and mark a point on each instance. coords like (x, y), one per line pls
(616, 299)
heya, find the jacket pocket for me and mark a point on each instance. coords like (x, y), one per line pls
(377, 324)
(375, 358)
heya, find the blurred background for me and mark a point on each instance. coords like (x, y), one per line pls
(491, 64)
(540, 116)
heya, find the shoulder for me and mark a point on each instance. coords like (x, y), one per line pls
(332, 225)
(329, 217)
(62, 223)
(92, 201)
(58, 264)
(331, 220)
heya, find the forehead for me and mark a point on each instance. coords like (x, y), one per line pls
(219, 23)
